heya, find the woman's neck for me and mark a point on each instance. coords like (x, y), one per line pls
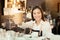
(38, 22)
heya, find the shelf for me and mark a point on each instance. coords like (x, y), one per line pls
(11, 11)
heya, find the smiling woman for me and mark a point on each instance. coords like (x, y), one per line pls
(39, 23)
(38, 12)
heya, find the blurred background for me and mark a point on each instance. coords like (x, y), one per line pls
(17, 10)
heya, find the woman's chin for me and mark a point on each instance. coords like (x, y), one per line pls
(37, 19)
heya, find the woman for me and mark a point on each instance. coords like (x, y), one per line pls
(39, 24)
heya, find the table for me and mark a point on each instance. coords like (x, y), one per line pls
(10, 35)
(54, 37)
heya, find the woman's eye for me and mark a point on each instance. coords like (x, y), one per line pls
(34, 13)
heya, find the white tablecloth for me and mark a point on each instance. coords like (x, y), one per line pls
(54, 37)
(10, 35)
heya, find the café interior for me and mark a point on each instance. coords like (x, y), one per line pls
(15, 13)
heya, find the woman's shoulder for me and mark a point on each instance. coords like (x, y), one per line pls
(46, 22)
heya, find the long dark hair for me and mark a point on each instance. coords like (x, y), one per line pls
(40, 10)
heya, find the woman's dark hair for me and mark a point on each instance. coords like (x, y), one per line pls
(37, 7)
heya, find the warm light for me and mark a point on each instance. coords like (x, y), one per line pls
(14, 7)
(18, 0)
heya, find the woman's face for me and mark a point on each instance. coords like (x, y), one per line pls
(37, 14)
